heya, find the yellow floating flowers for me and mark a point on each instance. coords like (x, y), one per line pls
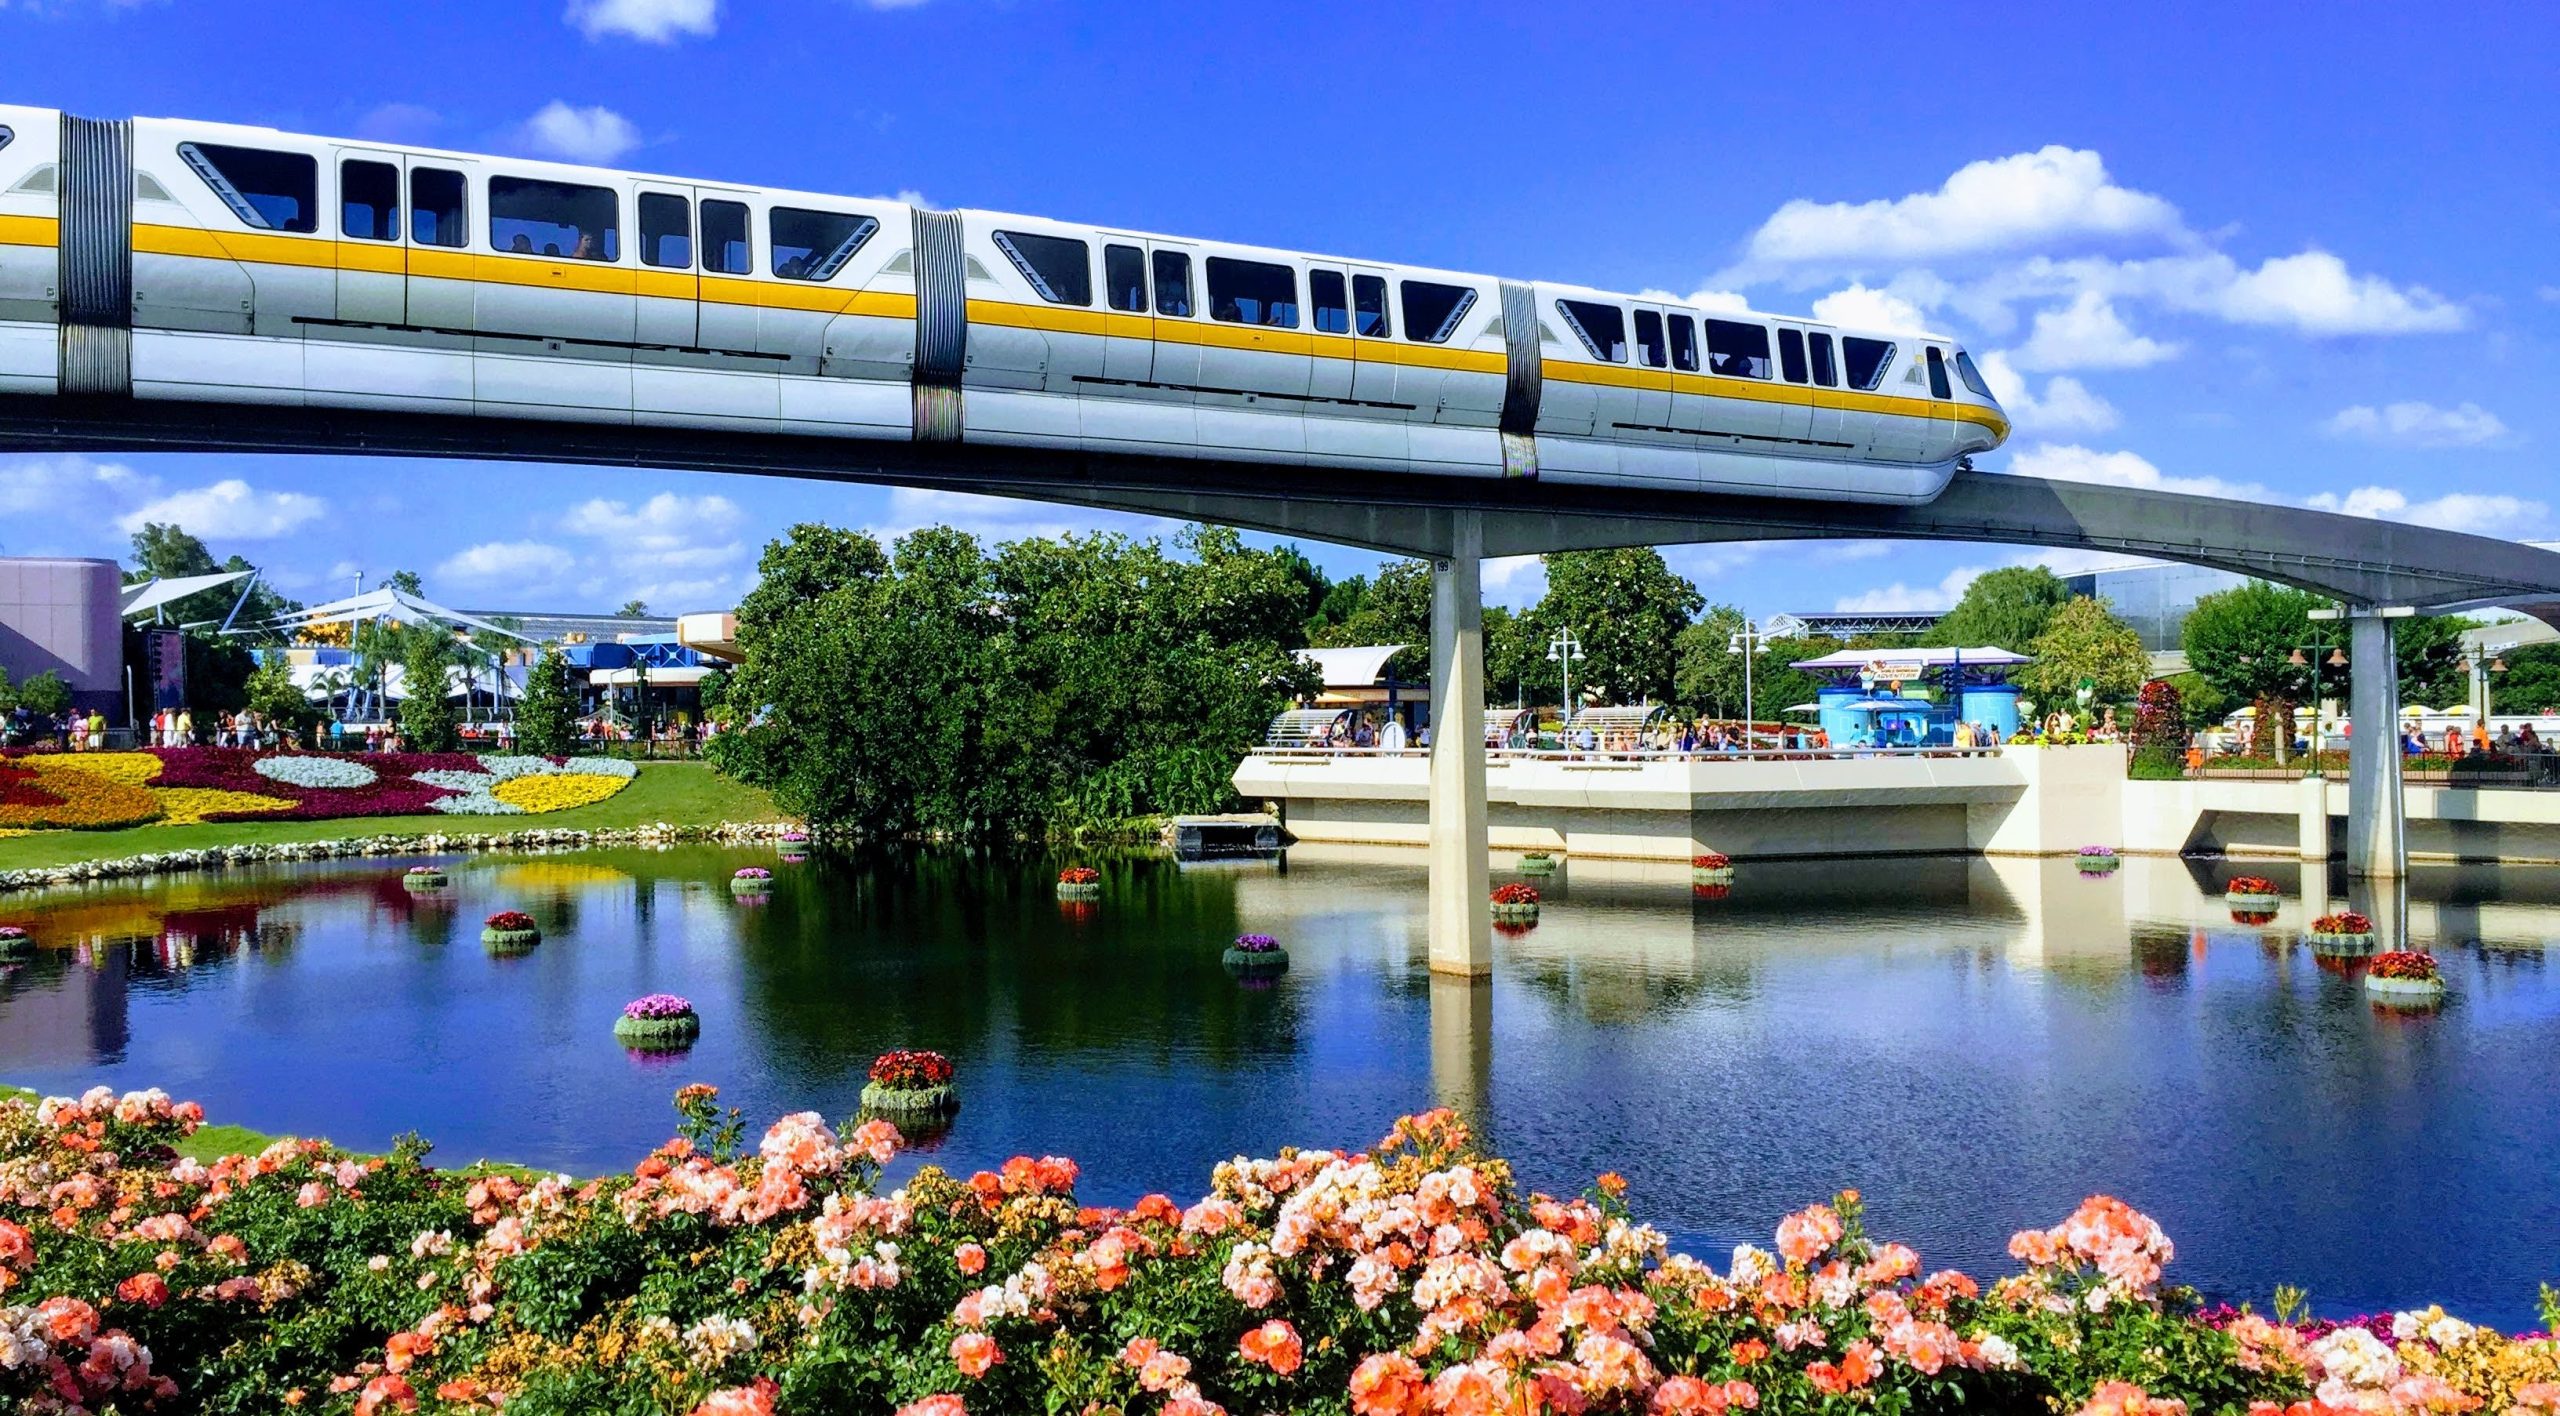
(556, 791)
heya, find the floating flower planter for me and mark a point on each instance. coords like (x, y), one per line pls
(2253, 917)
(1711, 868)
(1079, 882)
(1256, 954)
(751, 880)
(510, 932)
(426, 877)
(2099, 860)
(661, 1022)
(1515, 904)
(15, 944)
(2343, 933)
(910, 1082)
(1537, 863)
(2254, 893)
(2404, 978)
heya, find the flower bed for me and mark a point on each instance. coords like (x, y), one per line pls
(1255, 954)
(660, 1022)
(296, 770)
(38, 795)
(2345, 932)
(510, 932)
(1710, 868)
(910, 1081)
(1079, 882)
(1515, 903)
(187, 785)
(2405, 976)
(728, 1273)
(2253, 891)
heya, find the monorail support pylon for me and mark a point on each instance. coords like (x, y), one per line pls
(2377, 813)
(1461, 915)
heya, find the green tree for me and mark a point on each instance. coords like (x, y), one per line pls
(44, 693)
(1392, 608)
(633, 610)
(2531, 683)
(2083, 642)
(407, 583)
(547, 709)
(272, 694)
(1627, 609)
(427, 721)
(1711, 679)
(1516, 667)
(167, 551)
(713, 691)
(2242, 641)
(2002, 609)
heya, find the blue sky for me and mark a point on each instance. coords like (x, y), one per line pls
(2224, 248)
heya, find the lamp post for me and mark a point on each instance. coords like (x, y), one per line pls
(1748, 641)
(1564, 649)
(2326, 655)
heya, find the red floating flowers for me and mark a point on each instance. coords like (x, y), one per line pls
(2343, 922)
(1516, 894)
(911, 1069)
(2407, 964)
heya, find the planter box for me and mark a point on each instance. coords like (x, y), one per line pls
(510, 941)
(1089, 890)
(2340, 945)
(1266, 961)
(2404, 991)
(910, 1101)
(658, 1034)
(2255, 904)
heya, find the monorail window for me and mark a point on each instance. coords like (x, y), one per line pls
(1649, 338)
(1867, 359)
(1684, 344)
(666, 231)
(1253, 292)
(1824, 372)
(1369, 306)
(273, 191)
(1124, 278)
(1173, 284)
(1602, 328)
(1331, 302)
(1737, 350)
(1791, 355)
(5, 135)
(1432, 311)
(369, 200)
(1972, 376)
(1938, 375)
(725, 248)
(436, 208)
(529, 216)
(1059, 268)
(814, 245)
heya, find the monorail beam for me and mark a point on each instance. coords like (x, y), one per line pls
(2377, 832)
(1461, 914)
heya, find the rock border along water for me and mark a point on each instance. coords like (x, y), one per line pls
(423, 843)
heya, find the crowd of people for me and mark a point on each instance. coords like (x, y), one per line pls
(70, 731)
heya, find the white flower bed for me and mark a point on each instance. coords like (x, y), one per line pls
(510, 767)
(458, 781)
(600, 767)
(475, 804)
(315, 772)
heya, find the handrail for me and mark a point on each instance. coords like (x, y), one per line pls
(1633, 757)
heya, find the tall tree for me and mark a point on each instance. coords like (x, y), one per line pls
(1627, 608)
(1392, 608)
(2242, 641)
(167, 551)
(2002, 609)
(2083, 643)
(427, 721)
(407, 582)
(633, 610)
(2531, 683)
(273, 695)
(1711, 677)
(547, 711)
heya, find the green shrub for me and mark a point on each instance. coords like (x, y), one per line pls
(2157, 764)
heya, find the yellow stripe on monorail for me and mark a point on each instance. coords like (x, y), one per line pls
(30, 231)
(1758, 391)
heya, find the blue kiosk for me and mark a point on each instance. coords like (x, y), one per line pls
(1914, 697)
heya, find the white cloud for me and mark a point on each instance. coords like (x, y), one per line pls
(398, 122)
(2418, 425)
(1861, 308)
(596, 134)
(228, 509)
(663, 522)
(1000, 519)
(2069, 462)
(1714, 302)
(2314, 292)
(1900, 596)
(1839, 551)
(2088, 334)
(2030, 198)
(510, 566)
(1516, 581)
(2478, 513)
(651, 21)
(2066, 406)
(54, 487)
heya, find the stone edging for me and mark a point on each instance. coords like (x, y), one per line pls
(430, 843)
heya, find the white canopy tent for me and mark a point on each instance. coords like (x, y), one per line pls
(394, 605)
(145, 596)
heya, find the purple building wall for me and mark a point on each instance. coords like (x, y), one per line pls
(63, 615)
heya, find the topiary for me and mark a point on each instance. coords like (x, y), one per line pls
(2157, 764)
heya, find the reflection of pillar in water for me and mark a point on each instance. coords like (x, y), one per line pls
(2315, 888)
(2384, 899)
(1462, 1046)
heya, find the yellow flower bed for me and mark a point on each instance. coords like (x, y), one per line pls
(132, 769)
(188, 806)
(43, 799)
(556, 792)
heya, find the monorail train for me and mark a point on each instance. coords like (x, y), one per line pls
(162, 259)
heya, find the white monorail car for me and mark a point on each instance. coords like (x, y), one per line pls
(161, 259)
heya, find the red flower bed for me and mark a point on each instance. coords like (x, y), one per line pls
(2404, 963)
(2343, 922)
(1516, 894)
(1711, 860)
(1079, 875)
(911, 1069)
(230, 769)
(2253, 885)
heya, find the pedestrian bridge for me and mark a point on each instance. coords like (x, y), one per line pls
(2377, 570)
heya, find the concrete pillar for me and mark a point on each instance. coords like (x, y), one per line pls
(1461, 913)
(2311, 802)
(2376, 832)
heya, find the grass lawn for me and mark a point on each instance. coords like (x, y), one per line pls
(678, 793)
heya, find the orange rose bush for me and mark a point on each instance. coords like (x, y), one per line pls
(721, 1276)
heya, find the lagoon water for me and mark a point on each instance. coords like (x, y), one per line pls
(1975, 1045)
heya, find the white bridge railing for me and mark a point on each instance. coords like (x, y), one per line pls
(1631, 757)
